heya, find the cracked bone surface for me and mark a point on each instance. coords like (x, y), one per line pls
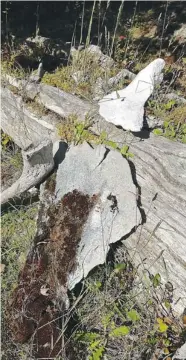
(126, 107)
(115, 212)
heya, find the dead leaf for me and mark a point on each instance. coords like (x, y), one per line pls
(44, 290)
(2, 268)
(184, 319)
(168, 321)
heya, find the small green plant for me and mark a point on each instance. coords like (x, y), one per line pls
(159, 109)
(161, 325)
(156, 280)
(74, 131)
(5, 140)
(116, 315)
(77, 132)
(125, 151)
(172, 130)
(170, 104)
(133, 315)
(136, 32)
(174, 116)
(94, 344)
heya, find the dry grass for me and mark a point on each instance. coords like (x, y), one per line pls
(120, 313)
(81, 75)
(17, 230)
(11, 161)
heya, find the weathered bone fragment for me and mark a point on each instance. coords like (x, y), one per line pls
(126, 107)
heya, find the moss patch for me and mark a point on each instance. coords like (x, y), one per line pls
(66, 222)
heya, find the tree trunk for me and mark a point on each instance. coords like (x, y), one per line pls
(158, 169)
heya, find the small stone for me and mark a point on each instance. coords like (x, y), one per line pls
(40, 72)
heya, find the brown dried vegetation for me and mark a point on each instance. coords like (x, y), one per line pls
(31, 311)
